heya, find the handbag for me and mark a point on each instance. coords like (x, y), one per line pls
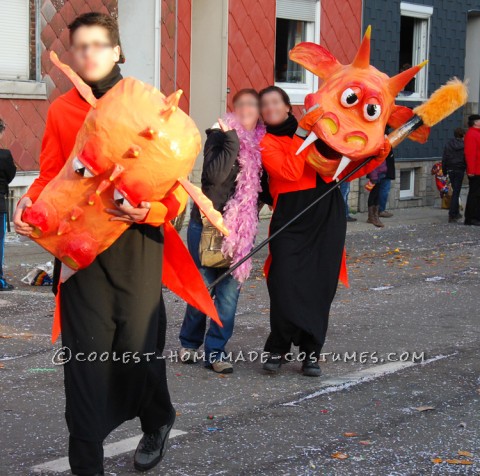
(210, 248)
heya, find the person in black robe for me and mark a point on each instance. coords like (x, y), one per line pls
(305, 259)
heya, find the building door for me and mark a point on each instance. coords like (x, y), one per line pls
(472, 62)
(208, 74)
(140, 35)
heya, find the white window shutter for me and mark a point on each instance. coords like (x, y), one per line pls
(14, 39)
(302, 10)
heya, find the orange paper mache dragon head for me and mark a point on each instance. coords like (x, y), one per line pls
(135, 145)
(357, 102)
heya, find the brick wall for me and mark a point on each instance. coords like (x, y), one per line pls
(340, 30)
(26, 118)
(175, 64)
(251, 42)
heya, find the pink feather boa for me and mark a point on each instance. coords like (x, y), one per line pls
(241, 211)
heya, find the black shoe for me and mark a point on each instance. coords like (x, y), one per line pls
(273, 363)
(310, 368)
(452, 220)
(152, 448)
(351, 219)
(473, 222)
(459, 216)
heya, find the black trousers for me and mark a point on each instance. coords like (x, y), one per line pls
(472, 209)
(456, 180)
(114, 324)
(374, 196)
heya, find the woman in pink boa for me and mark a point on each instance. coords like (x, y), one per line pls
(232, 178)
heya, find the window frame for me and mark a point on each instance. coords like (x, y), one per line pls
(298, 91)
(32, 88)
(410, 192)
(425, 13)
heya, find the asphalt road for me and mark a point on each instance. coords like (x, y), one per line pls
(411, 316)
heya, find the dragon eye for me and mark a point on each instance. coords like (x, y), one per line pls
(372, 112)
(349, 98)
(80, 169)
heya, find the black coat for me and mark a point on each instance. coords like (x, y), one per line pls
(7, 174)
(454, 156)
(220, 170)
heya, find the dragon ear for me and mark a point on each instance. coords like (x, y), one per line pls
(315, 58)
(83, 88)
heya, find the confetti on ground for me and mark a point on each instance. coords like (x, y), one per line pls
(424, 408)
(350, 434)
(338, 455)
(465, 453)
(365, 442)
(458, 461)
(42, 370)
(381, 288)
(434, 279)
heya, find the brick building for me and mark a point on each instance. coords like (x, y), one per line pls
(212, 48)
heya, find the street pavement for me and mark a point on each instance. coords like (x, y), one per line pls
(400, 390)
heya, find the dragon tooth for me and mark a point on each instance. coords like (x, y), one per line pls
(309, 140)
(341, 166)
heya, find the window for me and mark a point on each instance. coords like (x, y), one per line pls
(15, 40)
(414, 47)
(20, 75)
(407, 183)
(297, 21)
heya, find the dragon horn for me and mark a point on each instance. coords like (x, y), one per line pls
(362, 60)
(398, 82)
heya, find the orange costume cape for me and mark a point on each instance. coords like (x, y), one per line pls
(130, 146)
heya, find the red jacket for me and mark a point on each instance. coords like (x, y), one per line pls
(287, 172)
(472, 151)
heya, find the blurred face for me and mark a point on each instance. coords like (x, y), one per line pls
(274, 110)
(93, 53)
(476, 124)
(247, 110)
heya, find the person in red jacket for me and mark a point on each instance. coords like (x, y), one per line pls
(472, 157)
(114, 305)
(307, 258)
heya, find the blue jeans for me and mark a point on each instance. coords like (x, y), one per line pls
(3, 231)
(385, 184)
(226, 293)
(345, 191)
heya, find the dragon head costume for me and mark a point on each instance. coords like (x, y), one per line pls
(135, 145)
(353, 105)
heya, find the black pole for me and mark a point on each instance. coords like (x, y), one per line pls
(296, 217)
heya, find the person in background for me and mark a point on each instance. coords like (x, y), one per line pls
(7, 174)
(373, 186)
(454, 165)
(232, 178)
(385, 186)
(345, 191)
(472, 157)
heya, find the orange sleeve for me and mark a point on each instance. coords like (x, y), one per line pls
(51, 159)
(169, 208)
(283, 165)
